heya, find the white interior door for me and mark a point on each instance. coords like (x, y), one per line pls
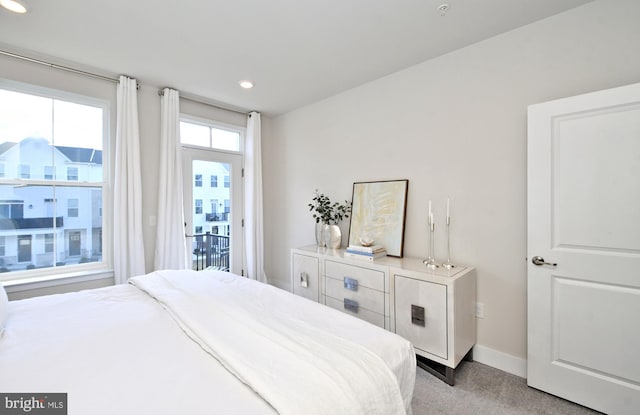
(584, 216)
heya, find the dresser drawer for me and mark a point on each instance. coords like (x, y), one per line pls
(372, 300)
(305, 276)
(365, 277)
(359, 312)
(421, 314)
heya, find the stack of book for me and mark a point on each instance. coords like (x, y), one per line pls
(367, 253)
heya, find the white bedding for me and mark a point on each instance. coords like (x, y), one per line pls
(117, 350)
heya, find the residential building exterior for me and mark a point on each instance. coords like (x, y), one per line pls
(42, 224)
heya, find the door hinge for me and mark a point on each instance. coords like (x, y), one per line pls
(242, 172)
(242, 223)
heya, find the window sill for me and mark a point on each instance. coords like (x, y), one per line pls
(47, 281)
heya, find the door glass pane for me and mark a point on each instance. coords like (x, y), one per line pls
(211, 221)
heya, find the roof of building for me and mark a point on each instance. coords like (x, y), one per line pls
(75, 154)
(81, 155)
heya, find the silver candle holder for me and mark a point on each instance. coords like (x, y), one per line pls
(448, 264)
(430, 262)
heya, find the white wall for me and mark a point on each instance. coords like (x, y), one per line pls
(454, 126)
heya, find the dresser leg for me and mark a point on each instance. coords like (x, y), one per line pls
(442, 372)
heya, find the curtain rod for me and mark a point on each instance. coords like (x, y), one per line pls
(103, 77)
(61, 67)
(200, 101)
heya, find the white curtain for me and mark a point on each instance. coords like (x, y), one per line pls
(253, 229)
(128, 244)
(171, 244)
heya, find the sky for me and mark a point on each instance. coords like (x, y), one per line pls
(74, 125)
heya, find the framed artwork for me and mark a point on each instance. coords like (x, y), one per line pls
(378, 214)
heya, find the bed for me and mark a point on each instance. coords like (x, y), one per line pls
(207, 342)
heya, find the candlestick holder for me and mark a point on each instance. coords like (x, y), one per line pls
(448, 264)
(430, 262)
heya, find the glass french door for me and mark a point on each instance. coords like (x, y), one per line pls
(213, 208)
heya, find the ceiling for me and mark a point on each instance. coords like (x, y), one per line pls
(295, 51)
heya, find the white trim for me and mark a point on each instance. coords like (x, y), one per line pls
(26, 284)
(503, 361)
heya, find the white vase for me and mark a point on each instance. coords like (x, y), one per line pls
(332, 236)
(320, 230)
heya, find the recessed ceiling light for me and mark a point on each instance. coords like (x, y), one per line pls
(246, 84)
(14, 6)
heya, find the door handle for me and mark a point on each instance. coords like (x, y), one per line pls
(538, 260)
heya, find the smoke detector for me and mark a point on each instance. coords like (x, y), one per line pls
(443, 9)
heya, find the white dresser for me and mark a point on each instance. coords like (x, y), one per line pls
(434, 309)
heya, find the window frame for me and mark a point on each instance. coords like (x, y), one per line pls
(47, 276)
(235, 158)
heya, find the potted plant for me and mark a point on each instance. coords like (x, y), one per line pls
(328, 215)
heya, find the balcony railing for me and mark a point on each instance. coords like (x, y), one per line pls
(30, 223)
(211, 251)
(217, 217)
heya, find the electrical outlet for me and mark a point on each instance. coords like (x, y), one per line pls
(480, 310)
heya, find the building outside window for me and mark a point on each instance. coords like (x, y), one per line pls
(198, 180)
(48, 242)
(227, 182)
(49, 173)
(214, 181)
(72, 208)
(24, 171)
(72, 173)
(198, 206)
(51, 180)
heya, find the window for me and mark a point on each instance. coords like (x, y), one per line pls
(198, 180)
(1, 169)
(48, 243)
(198, 206)
(198, 230)
(227, 206)
(11, 209)
(227, 182)
(72, 173)
(201, 134)
(49, 173)
(24, 171)
(51, 147)
(72, 208)
(214, 181)
(2, 245)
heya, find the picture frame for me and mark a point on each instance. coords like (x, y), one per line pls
(378, 214)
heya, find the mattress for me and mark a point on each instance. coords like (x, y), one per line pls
(123, 349)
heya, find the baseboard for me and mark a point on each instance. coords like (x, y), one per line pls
(503, 361)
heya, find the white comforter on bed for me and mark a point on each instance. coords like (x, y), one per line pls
(238, 321)
(117, 350)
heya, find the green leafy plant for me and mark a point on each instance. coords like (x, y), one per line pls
(326, 212)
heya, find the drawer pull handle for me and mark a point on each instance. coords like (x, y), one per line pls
(304, 279)
(417, 315)
(351, 305)
(351, 284)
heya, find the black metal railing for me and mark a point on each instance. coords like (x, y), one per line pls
(211, 251)
(30, 223)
